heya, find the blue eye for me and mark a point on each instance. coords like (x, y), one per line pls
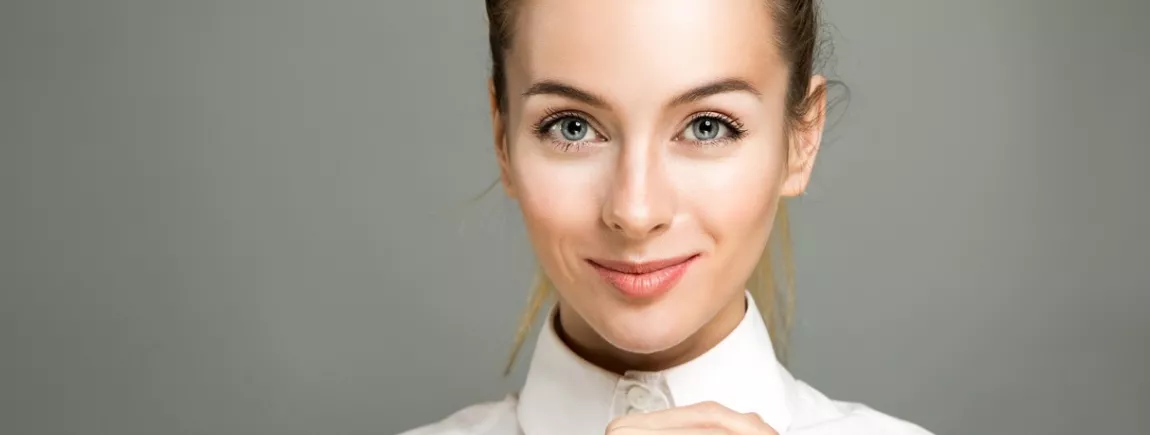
(573, 129)
(568, 131)
(706, 129)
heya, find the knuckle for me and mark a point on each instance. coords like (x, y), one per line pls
(717, 409)
(713, 410)
(755, 420)
(710, 406)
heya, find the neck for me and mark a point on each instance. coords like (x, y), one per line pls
(589, 345)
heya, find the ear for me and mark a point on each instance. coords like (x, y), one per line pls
(805, 141)
(501, 147)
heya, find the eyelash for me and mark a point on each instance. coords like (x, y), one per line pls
(542, 129)
(736, 128)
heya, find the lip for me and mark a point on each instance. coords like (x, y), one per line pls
(646, 279)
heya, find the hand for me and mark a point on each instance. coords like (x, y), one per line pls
(703, 418)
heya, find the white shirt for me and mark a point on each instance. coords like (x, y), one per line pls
(565, 395)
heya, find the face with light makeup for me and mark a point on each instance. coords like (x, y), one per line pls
(645, 130)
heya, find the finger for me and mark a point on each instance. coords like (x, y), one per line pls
(671, 431)
(702, 415)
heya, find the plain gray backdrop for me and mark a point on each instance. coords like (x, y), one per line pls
(254, 217)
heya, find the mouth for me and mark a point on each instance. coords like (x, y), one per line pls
(646, 279)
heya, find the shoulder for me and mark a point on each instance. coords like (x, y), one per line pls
(815, 414)
(487, 418)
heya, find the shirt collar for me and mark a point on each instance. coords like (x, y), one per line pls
(565, 394)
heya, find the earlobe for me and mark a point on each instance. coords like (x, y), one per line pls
(500, 141)
(806, 140)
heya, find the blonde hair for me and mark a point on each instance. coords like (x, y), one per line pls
(776, 303)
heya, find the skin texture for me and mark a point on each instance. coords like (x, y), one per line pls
(639, 185)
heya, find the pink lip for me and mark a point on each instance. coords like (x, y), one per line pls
(643, 280)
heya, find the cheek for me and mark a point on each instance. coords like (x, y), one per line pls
(559, 201)
(735, 199)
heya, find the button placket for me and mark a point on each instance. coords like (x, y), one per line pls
(640, 392)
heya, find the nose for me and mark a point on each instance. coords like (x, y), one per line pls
(641, 200)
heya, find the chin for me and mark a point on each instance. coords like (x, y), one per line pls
(646, 331)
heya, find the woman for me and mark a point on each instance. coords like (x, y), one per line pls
(649, 145)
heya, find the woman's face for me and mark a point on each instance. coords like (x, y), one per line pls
(645, 143)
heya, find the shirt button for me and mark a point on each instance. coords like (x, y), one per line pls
(639, 397)
(639, 393)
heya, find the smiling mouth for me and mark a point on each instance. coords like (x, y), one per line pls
(646, 279)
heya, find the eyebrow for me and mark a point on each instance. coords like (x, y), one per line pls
(714, 88)
(552, 87)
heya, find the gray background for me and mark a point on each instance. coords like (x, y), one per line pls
(253, 217)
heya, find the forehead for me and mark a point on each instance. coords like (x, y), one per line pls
(620, 48)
